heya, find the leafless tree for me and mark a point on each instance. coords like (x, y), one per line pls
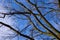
(37, 16)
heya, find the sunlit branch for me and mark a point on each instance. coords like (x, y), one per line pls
(43, 17)
(51, 27)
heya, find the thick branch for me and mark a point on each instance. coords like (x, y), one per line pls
(16, 31)
(59, 3)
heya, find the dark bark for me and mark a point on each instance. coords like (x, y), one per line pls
(59, 3)
(16, 31)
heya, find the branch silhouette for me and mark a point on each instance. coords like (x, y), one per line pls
(16, 31)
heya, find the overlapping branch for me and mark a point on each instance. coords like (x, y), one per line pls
(50, 26)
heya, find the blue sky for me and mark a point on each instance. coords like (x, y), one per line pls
(14, 22)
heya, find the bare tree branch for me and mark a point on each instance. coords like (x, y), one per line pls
(16, 31)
